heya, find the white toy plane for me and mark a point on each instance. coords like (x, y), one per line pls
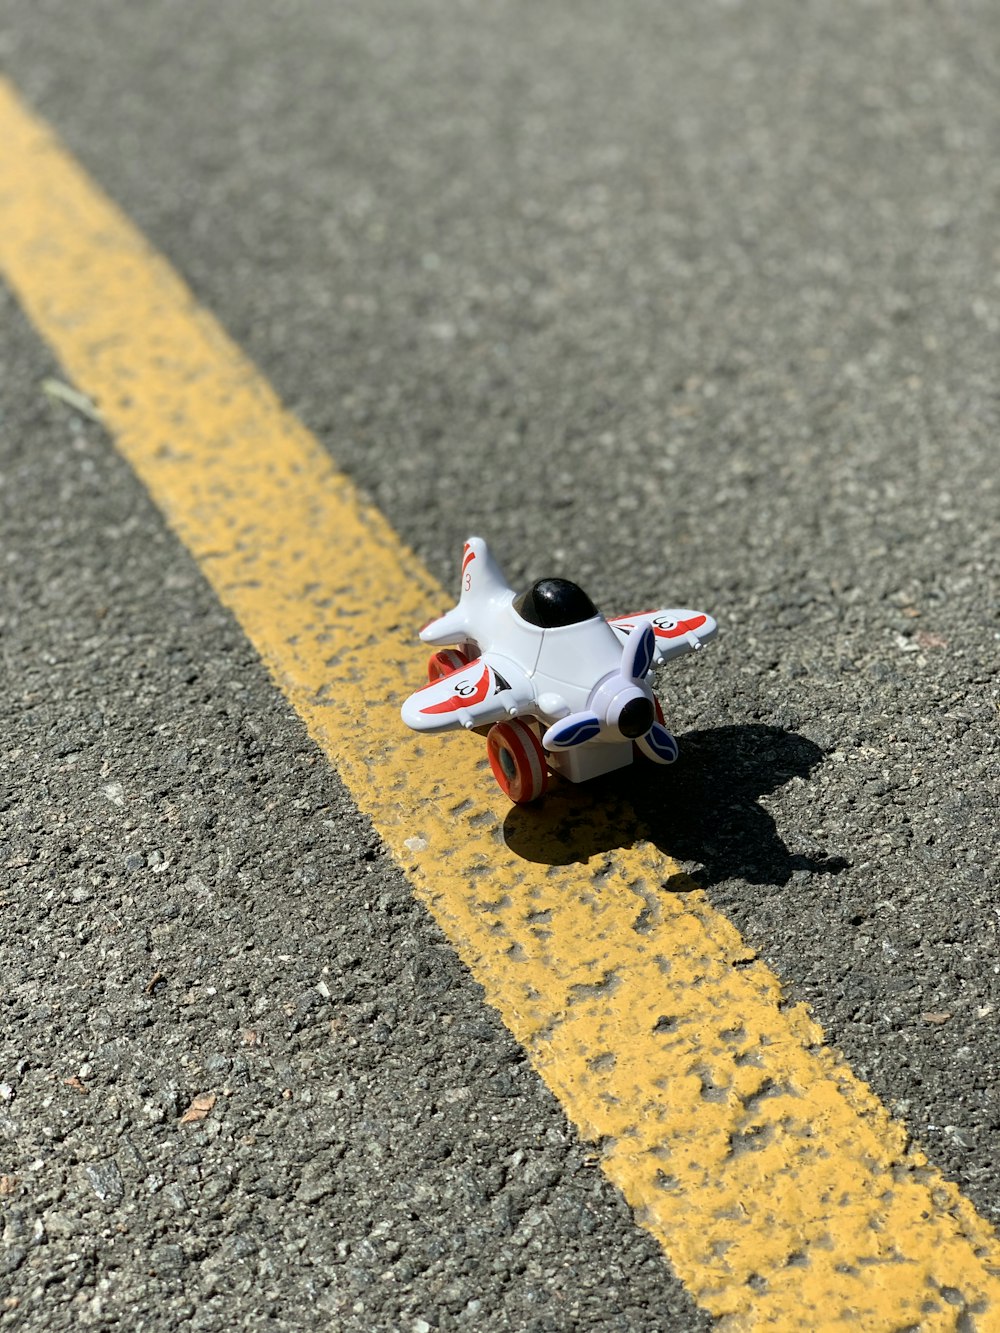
(559, 686)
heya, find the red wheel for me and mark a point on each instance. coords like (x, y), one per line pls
(518, 761)
(445, 662)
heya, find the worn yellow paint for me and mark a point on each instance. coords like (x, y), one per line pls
(781, 1190)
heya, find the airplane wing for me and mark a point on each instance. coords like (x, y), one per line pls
(676, 631)
(488, 690)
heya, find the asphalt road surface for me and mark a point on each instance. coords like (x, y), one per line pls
(695, 304)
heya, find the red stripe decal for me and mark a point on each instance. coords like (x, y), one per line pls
(458, 701)
(467, 559)
(682, 626)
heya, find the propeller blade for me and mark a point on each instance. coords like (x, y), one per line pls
(572, 730)
(658, 744)
(640, 649)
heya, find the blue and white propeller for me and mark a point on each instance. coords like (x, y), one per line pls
(622, 707)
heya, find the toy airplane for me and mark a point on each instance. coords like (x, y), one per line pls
(559, 686)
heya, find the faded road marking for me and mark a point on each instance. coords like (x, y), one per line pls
(781, 1190)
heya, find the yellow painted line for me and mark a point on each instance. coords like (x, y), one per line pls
(779, 1187)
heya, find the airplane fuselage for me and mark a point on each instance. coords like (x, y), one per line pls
(558, 685)
(564, 663)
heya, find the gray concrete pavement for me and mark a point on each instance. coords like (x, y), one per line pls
(699, 302)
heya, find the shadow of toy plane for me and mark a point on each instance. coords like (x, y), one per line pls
(703, 810)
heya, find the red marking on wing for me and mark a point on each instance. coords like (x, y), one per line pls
(468, 556)
(628, 622)
(463, 701)
(682, 626)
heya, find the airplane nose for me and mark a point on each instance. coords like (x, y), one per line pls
(636, 718)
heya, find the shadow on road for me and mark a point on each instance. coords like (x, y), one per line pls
(704, 809)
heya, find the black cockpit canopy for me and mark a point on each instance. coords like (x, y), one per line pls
(550, 603)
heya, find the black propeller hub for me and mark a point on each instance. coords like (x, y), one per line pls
(636, 718)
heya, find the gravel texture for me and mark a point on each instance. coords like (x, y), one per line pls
(245, 1080)
(691, 303)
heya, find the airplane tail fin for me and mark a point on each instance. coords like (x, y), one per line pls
(482, 580)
